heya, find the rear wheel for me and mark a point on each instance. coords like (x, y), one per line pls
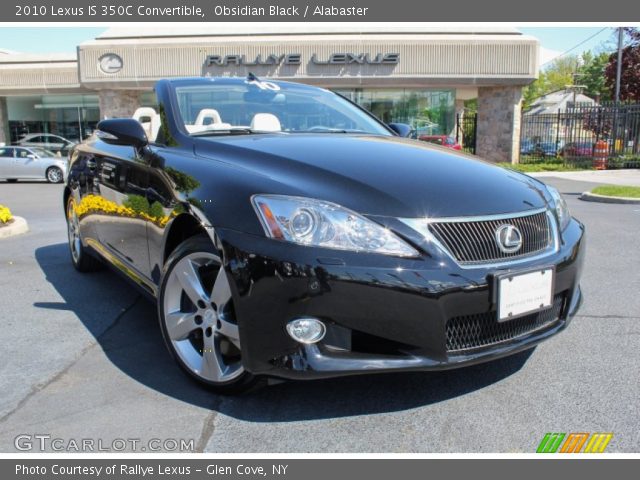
(198, 320)
(54, 175)
(81, 259)
(12, 180)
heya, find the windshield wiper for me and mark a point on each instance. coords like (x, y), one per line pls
(328, 130)
(226, 131)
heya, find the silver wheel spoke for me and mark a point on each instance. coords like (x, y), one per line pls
(180, 325)
(213, 366)
(229, 330)
(221, 293)
(190, 280)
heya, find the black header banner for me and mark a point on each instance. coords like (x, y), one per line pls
(83, 11)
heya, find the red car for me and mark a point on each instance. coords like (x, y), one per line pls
(577, 149)
(443, 140)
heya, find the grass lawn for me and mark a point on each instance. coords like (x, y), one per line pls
(542, 167)
(617, 191)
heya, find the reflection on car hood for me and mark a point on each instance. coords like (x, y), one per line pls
(377, 175)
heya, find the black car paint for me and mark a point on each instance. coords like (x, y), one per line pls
(404, 300)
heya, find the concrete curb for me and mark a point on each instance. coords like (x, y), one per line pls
(593, 197)
(17, 227)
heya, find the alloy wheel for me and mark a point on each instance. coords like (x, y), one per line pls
(199, 318)
(54, 175)
(73, 230)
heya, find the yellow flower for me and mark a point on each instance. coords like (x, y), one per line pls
(5, 214)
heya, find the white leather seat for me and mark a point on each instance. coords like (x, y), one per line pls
(203, 115)
(208, 113)
(149, 120)
(265, 122)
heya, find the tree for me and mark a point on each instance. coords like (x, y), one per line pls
(555, 77)
(591, 75)
(630, 75)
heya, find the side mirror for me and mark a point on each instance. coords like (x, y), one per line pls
(31, 156)
(122, 131)
(402, 129)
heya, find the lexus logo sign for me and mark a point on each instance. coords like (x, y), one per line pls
(110, 63)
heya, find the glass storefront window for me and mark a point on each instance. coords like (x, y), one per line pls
(73, 117)
(430, 112)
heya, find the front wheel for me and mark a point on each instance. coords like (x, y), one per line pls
(198, 320)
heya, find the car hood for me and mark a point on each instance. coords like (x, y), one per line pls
(375, 175)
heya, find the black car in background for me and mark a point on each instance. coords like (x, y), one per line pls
(285, 232)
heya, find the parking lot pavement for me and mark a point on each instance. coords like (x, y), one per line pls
(83, 358)
(611, 177)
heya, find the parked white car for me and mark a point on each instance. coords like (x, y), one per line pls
(22, 163)
(48, 141)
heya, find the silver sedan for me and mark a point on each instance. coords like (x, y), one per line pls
(31, 163)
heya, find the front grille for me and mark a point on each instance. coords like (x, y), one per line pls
(473, 240)
(479, 330)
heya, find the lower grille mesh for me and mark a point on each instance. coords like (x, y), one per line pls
(479, 330)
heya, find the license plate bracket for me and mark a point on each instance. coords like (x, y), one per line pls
(521, 293)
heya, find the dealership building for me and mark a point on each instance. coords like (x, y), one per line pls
(416, 74)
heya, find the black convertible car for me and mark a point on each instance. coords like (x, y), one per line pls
(285, 232)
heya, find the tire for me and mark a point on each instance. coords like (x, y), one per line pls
(197, 318)
(12, 180)
(54, 175)
(82, 260)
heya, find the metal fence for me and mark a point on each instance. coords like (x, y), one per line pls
(466, 129)
(604, 135)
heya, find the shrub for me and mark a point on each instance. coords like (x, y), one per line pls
(137, 203)
(5, 215)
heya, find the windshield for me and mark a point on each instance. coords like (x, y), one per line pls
(259, 106)
(43, 152)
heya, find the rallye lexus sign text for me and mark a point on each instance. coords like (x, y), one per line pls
(296, 59)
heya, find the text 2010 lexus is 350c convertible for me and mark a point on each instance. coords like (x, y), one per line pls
(285, 232)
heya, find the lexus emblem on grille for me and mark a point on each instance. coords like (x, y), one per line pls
(509, 238)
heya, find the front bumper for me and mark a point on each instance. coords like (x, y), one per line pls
(382, 313)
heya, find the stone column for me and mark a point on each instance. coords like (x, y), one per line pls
(118, 103)
(5, 137)
(498, 133)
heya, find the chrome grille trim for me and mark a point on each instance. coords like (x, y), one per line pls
(470, 241)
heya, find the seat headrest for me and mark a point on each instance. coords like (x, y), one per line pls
(208, 113)
(144, 112)
(265, 122)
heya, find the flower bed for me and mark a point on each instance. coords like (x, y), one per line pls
(5, 216)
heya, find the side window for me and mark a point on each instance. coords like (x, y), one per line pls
(21, 153)
(6, 152)
(37, 140)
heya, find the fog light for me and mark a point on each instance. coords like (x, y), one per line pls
(306, 330)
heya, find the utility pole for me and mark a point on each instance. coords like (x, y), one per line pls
(619, 64)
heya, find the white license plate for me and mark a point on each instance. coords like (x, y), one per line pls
(524, 293)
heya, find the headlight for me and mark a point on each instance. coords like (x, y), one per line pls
(560, 208)
(310, 222)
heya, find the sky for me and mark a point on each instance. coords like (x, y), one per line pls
(574, 40)
(554, 40)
